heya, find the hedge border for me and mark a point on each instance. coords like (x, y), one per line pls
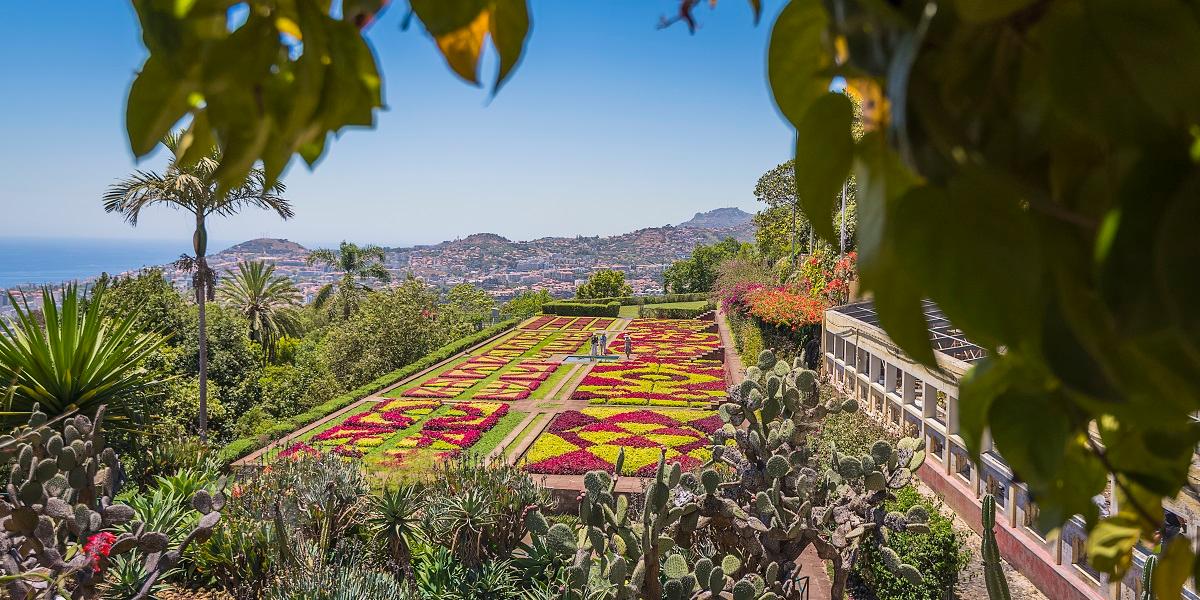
(653, 312)
(634, 300)
(581, 309)
(242, 447)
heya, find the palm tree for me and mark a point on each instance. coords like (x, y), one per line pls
(73, 357)
(268, 301)
(355, 262)
(194, 188)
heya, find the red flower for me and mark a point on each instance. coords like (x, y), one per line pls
(97, 548)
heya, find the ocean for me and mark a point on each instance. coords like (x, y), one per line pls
(55, 260)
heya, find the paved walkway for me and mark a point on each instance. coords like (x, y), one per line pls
(810, 564)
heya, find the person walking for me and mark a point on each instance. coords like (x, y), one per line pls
(604, 343)
(593, 345)
(628, 347)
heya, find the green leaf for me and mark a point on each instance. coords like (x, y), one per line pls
(1156, 458)
(157, 100)
(824, 155)
(441, 17)
(1174, 568)
(798, 58)
(968, 266)
(1110, 544)
(986, 380)
(197, 141)
(980, 11)
(1152, 41)
(882, 179)
(509, 28)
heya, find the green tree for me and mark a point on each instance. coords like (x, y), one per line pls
(74, 357)
(268, 302)
(355, 263)
(191, 183)
(526, 304)
(158, 306)
(698, 273)
(391, 328)
(466, 308)
(605, 283)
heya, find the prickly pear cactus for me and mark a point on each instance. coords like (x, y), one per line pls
(781, 501)
(61, 483)
(761, 501)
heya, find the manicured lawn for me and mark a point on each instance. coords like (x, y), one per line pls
(631, 311)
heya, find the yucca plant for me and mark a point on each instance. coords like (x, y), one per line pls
(78, 359)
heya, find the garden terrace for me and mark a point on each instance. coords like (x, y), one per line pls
(512, 398)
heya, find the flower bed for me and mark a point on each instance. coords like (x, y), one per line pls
(567, 342)
(681, 383)
(502, 389)
(560, 323)
(667, 339)
(600, 323)
(580, 324)
(538, 322)
(476, 367)
(459, 429)
(529, 370)
(440, 387)
(368, 429)
(580, 441)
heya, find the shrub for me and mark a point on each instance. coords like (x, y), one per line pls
(582, 309)
(243, 446)
(673, 312)
(939, 555)
(637, 300)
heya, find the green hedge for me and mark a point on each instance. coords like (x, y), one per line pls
(654, 312)
(580, 309)
(635, 300)
(243, 446)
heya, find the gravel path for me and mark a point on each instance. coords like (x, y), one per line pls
(971, 585)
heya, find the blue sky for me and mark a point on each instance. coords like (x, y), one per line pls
(608, 125)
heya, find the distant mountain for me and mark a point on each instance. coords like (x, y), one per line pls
(267, 247)
(719, 218)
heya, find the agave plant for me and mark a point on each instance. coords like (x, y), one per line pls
(395, 518)
(77, 360)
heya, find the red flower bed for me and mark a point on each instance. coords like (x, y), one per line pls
(465, 424)
(784, 308)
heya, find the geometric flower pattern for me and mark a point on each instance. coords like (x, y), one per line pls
(580, 441)
(370, 428)
(476, 367)
(439, 387)
(639, 382)
(502, 389)
(529, 369)
(567, 342)
(538, 322)
(460, 428)
(667, 339)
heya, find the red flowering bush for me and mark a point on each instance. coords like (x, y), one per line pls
(785, 308)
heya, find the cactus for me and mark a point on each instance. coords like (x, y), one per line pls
(60, 491)
(993, 571)
(771, 504)
(1148, 578)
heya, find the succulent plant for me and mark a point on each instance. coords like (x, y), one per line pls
(993, 572)
(60, 497)
(761, 498)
